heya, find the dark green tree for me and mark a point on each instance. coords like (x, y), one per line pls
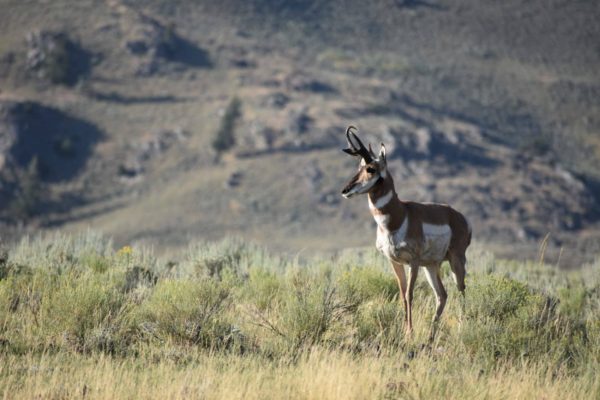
(29, 192)
(225, 136)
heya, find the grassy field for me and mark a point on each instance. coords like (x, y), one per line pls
(80, 320)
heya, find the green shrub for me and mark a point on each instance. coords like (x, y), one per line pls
(225, 136)
(95, 262)
(361, 284)
(79, 308)
(378, 323)
(44, 309)
(188, 312)
(299, 312)
(262, 288)
(572, 301)
(308, 310)
(229, 259)
(496, 297)
(508, 321)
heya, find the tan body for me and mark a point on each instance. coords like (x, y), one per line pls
(420, 235)
(411, 234)
(415, 225)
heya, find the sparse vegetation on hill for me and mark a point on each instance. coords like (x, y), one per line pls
(231, 321)
(489, 106)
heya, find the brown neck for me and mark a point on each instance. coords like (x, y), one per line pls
(382, 188)
(387, 209)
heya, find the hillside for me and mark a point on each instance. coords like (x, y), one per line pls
(492, 107)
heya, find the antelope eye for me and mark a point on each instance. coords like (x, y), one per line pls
(371, 170)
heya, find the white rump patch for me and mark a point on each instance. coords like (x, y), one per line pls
(382, 201)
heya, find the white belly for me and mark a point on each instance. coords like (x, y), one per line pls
(394, 246)
(437, 240)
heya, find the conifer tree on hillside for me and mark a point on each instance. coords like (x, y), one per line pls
(225, 136)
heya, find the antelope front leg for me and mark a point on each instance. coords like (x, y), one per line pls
(412, 278)
(401, 278)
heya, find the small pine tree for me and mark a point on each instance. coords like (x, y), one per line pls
(29, 192)
(225, 136)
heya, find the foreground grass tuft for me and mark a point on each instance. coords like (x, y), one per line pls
(80, 319)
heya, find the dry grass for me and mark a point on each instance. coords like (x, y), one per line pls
(320, 374)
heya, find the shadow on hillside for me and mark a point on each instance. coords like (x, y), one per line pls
(498, 125)
(79, 63)
(61, 143)
(593, 185)
(419, 4)
(67, 203)
(185, 52)
(115, 97)
(438, 145)
(501, 125)
(451, 154)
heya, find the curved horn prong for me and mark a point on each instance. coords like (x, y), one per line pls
(348, 132)
(361, 150)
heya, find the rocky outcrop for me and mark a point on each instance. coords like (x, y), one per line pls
(53, 57)
(150, 146)
(154, 45)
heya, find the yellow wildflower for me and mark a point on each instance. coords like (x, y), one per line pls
(125, 250)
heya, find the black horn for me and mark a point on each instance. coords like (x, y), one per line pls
(353, 150)
(348, 131)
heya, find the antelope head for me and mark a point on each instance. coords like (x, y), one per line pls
(372, 169)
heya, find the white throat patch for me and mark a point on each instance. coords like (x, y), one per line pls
(382, 201)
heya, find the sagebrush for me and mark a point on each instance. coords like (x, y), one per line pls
(230, 320)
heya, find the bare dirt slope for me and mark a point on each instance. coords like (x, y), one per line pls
(492, 107)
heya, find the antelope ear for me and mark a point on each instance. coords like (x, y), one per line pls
(382, 153)
(349, 151)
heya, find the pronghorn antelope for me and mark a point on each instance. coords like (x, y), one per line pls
(410, 233)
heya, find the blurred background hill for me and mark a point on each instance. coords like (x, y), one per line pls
(157, 122)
